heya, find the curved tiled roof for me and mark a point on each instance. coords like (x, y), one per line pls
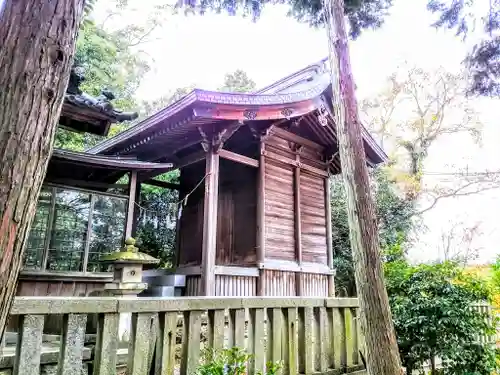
(300, 94)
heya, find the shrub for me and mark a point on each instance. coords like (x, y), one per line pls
(232, 361)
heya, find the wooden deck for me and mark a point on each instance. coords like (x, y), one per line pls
(308, 335)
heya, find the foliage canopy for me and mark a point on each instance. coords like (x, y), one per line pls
(362, 14)
(483, 61)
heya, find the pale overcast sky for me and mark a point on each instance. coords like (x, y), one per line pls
(200, 50)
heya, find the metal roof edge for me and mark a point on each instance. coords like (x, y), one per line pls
(111, 161)
(145, 124)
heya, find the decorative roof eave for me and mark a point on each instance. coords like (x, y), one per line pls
(108, 161)
(202, 100)
(374, 145)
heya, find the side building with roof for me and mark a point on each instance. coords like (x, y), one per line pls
(78, 218)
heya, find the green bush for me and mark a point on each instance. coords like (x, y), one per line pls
(434, 316)
(232, 361)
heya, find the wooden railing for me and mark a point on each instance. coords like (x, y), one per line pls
(307, 335)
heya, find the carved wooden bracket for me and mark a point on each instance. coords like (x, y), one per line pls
(295, 147)
(218, 140)
(205, 143)
(254, 131)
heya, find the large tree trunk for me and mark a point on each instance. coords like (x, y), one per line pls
(382, 354)
(37, 46)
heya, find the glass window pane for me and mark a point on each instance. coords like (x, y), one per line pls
(156, 228)
(38, 233)
(69, 231)
(108, 229)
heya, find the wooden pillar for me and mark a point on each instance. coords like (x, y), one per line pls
(261, 198)
(210, 223)
(137, 211)
(175, 263)
(329, 249)
(85, 260)
(131, 204)
(48, 232)
(298, 227)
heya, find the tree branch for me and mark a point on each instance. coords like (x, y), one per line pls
(459, 192)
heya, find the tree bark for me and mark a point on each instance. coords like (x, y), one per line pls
(382, 355)
(432, 360)
(38, 42)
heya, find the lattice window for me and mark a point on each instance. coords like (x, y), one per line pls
(61, 238)
(108, 220)
(39, 228)
(69, 232)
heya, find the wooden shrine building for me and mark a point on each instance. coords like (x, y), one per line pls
(254, 168)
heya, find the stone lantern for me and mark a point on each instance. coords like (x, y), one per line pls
(127, 266)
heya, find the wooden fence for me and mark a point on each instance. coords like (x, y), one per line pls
(490, 314)
(307, 335)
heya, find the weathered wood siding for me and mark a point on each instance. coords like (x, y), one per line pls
(34, 288)
(191, 222)
(235, 286)
(282, 158)
(280, 283)
(313, 220)
(285, 283)
(314, 285)
(236, 222)
(236, 217)
(193, 284)
(279, 212)
(294, 220)
(225, 286)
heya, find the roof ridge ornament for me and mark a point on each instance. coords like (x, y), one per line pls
(322, 115)
(95, 107)
(76, 77)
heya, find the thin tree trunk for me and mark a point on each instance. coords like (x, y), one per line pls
(433, 364)
(382, 355)
(38, 42)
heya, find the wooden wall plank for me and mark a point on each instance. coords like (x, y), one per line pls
(237, 215)
(279, 211)
(329, 244)
(314, 232)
